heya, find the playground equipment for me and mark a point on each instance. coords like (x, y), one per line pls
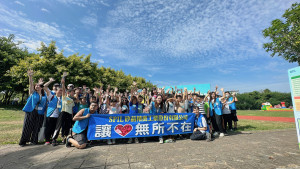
(283, 105)
(268, 107)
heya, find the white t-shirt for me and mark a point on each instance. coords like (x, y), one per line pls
(171, 107)
(204, 123)
(226, 109)
(55, 113)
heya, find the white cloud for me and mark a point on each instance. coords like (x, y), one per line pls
(168, 32)
(89, 46)
(19, 3)
(101, 61)
(90, 20)
(45, 10)
(149, 75)
(85, 3)
(29, 31)
(73, 2)
(55, 24)
(67, 47)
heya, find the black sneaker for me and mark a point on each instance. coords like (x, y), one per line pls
(22, 144)
(54, 143)
(68, 144)
(33, 143)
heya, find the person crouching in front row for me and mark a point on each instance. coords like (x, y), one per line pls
(79, 136)
(201, 130)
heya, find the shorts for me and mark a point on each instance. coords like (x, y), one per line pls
(80, 138)
(234, 116)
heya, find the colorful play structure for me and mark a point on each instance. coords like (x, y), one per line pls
(268, 107)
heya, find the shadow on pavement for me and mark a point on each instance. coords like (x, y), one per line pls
(42, 156)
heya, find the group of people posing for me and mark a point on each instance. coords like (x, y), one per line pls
(67, 109)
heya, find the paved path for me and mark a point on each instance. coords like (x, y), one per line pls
(260, 149)
(266, 118)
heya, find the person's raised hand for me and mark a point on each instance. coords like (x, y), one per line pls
(65, 74)
(51, 79)
(41, 81)
(30, 72)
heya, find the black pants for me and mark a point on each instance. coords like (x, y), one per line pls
(217, 123)
(31, 127)
(227, 120)
(233, 116)
(198, 135)
(64, 122)
(37, 127)
(50, 127)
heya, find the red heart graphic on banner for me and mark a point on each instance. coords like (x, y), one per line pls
(123, 130)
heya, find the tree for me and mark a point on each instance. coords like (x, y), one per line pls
(10, 54)
(253, 100)
(285, 35)
(50, 63)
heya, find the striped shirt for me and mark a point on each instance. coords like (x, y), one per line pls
(200, 106)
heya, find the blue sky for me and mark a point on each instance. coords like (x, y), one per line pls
(168, 42)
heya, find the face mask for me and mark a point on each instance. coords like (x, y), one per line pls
(227, 95)
(208, 98)
(171, 104)
(113, 109)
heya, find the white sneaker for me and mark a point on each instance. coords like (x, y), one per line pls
(109, 142)
(114, 141)
(129, 141)
(222, 135)
(161, 140)
(136, 140)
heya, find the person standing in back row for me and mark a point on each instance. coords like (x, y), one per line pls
(34, 111)
(53, 112)
(232, 107)
(64, 121)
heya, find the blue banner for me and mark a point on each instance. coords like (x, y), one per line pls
(113, 126)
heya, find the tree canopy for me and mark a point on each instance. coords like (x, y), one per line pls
(253, 100)
(48, 63)
(285, 35)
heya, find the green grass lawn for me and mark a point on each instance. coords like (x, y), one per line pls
(249, 125)
(265, 113)
(11, 123)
